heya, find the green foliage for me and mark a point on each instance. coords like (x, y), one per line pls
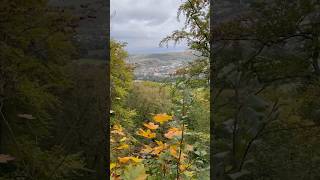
(148, 98)
(190, 107)
(265, 61)
(265, 72)
(121, 73)
(137, 172)
(200, 110)
(45, 164)
(196, 30)
(36, 48)
(265, 106)
(121, 82)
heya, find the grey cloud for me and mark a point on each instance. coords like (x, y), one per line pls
(154, 11)
(143, 23)
(149, 15)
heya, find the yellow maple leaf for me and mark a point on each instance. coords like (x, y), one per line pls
(123, 139)
(173, 151)
(158, 149)
(112, 165)
(147, 149)
(117, 129)
(147, 134)
(136, 159)
(172, 132)
(160, 143)
(182, 167)
(183, 156)
(124, 146)
(161, 118)
(151, 125)
(126, 159)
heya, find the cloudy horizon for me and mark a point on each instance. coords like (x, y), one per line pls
(142, 24)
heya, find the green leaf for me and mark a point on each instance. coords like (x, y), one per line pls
(135, 172)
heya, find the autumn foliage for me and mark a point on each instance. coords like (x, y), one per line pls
(157, 146)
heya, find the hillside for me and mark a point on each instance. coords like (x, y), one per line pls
(158, 66)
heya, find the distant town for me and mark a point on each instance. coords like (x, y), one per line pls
(155, 67)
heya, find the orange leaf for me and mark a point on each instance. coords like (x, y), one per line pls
(158, 149)
(126, 159)
(151, 125)
(4, 158)
(123, 159)
(182, 167)
(172, 132)
(173, 151)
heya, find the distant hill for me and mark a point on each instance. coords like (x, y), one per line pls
(158, 66)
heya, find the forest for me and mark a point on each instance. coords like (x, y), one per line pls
(255, 83)
(51, 127)
(246, 109)
(155, 125)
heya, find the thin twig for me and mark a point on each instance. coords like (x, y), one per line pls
(12, 134)
(274, 108)
(180, 151)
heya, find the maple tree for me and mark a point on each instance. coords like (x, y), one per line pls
(172, 152)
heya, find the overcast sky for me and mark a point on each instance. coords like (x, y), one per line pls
(143, 23)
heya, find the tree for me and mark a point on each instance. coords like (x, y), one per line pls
(259, 54)
(196, 29)
(36, 44)
(121, 82)
(257, 49)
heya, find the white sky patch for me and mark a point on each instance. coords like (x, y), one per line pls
(144, 23)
